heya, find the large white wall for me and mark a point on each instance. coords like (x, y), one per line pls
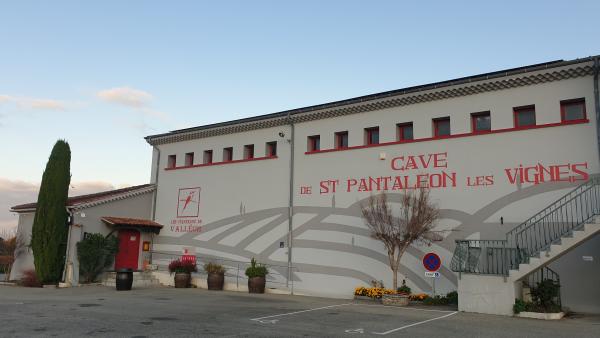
(243, 205)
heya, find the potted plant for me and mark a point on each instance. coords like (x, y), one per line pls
(256, 277)
(183, 272)
(216, 276)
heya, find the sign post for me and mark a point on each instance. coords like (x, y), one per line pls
(432, 263)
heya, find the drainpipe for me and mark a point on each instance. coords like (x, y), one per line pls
(597, 101)
(291, 205)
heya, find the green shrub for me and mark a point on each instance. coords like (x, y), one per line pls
(50, 223)
(452, 297)
(95, 254)
(214, 268)
(256, 269)
(437, 300)
(404, 288)
(544, 295)
(520, 306)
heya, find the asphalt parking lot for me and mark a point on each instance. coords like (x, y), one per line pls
(166, 312)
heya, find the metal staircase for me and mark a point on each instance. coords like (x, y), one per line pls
(534, 243)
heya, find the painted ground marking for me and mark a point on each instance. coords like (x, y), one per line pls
(261, 319)
(414, 324)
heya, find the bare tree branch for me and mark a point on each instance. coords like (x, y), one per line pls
(414, 223)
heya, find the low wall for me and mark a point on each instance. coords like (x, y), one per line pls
(486, 294)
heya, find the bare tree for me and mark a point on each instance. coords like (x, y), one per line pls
(414, 223)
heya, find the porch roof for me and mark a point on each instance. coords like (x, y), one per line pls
(143, 224)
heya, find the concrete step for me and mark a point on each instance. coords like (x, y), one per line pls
(141, 279)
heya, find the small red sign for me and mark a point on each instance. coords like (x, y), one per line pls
(432, 262)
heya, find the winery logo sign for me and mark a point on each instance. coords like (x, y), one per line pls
(188, 211)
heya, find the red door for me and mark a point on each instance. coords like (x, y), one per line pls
(129, 247)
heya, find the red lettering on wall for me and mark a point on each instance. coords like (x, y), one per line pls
(422, 161)
(539, 173)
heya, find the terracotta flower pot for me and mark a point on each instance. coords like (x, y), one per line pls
(183, 279)
(215, 281)
(256, 284)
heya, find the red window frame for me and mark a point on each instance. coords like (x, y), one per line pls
(474, 117)
(565, 103)
(271, 149)
(521, 109)
(172, 161)
(436, 129)
(228, 154)
(339, 138)
(314, 143)
(369, 132)
(189, 159)
(208, 157)
(248, 151)
(400, 131)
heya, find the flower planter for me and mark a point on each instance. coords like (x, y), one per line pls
(395, 300)
(541, 315)
(366, 299)
(182, 279)
(256, 284)
(215, 281)
(124, 280)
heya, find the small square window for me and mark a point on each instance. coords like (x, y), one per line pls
(341, 140)
(314, 143)
(189, 159)
(441, 127)
(249, 151)
(524, 116)
(404, 131)
(172, 161)
(271, 149)
(572, 110)
(481, 122)
(208, 157)
(228, 154)
(372, 135)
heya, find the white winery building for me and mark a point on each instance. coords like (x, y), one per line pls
(495, 149)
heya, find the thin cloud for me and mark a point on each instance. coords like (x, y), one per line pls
(15, 192)
(127, 96)
(29, 103)
(155, 113)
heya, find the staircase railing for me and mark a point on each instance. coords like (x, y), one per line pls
(528, 239)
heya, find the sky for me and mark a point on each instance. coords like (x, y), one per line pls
(104, 74)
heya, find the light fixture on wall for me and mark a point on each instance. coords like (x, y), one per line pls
(281, 134)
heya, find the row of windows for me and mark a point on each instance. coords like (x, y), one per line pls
(481, 122)
(207, 158)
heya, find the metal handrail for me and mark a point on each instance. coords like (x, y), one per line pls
(528, 239)
(233, 268)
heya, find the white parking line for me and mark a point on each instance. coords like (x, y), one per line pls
(415, 324)
(295, 312)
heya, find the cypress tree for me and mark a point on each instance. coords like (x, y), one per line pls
(50, 227)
